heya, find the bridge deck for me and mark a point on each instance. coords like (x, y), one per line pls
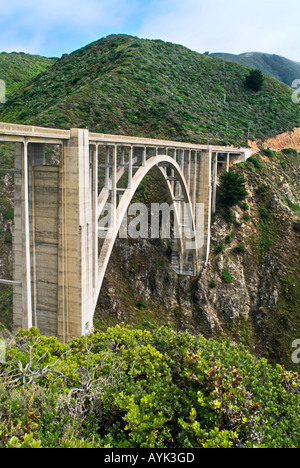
(17, 132)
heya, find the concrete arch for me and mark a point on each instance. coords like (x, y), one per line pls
(125, 202)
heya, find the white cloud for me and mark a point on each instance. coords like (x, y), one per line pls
(70, 13)
(32, 25)
(227, 26)
(45, 26)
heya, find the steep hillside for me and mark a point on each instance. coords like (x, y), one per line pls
(17, 69)
(281, 68)
(125, 85)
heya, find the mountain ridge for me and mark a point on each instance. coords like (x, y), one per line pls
(278, 67)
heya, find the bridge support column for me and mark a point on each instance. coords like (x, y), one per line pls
(215, 181)
(204, 198)
(76, 262)
(227, 162)
(22, 314)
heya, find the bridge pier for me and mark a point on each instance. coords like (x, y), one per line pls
(204, 197)
(22, 303)
(54, 239)
(76, 239)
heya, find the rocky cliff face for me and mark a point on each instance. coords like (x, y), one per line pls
(285, 140)
(250, 289)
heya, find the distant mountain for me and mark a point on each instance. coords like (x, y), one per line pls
(281, 68)
(126, 85)
(16, 69)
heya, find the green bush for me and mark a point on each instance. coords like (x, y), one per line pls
(264, 213)
(261, 191)
(269, 153)
(240, 249)
(254, 161)
(219, 248)
(255, 80)
(232, 189)
(283, 164)
(290, 151)
(8, 238)
(228, 238)
(293, 206)
(141, 305)
(9, 214)
(245, 206)
(132, 388)
(226, 276)
(230, 217)
(296, 226)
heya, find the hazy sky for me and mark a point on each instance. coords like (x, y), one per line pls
(54, 27)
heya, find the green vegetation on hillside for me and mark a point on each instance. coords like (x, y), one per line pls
(125, 85)
(267, 226)
(17, 69)
(132, 388)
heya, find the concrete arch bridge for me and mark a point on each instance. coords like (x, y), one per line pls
(65, 180)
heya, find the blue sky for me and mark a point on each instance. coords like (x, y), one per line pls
(54, 27)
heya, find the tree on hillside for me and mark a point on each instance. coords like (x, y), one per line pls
(232, 189)
(255, 80)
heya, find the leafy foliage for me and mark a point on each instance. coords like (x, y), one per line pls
(140, 389)
(296, 226)
(232, 189)
(255, 80)
(226, 276)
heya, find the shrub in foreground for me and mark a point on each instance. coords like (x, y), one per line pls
(131, 388)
